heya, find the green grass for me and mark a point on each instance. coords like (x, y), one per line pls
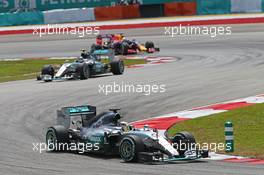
(248, 129)
(29, 68)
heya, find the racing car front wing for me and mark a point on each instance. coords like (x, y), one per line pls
(152, 157)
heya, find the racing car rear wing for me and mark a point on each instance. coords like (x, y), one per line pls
(67, 114)
(76, 110)
(105, 54)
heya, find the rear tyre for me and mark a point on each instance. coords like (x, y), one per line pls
(84, 72)
(95, 47)
(184, 141)
(130, 147)
(57, 138)
(124, 48)
(149, 44)
(117, 67)
(118, 48)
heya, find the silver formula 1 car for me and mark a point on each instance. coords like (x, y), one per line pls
(84, 67)
(106, 135)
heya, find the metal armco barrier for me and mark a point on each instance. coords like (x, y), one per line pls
(246, 6)
(229, 136)
(68, 15)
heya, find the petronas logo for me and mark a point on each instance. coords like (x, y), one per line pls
(24, 3)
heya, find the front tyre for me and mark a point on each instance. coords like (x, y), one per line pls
(129, 148)
(57, 138)
(39, 77)
(48, 70)
(84, 72)
(184, 141)
(117, 67)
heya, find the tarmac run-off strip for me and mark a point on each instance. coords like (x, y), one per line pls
(151, 61)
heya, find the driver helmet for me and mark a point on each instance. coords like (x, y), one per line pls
(122, 36)
(109, 39)
(125, 126)
(146, 128)
(99, 40)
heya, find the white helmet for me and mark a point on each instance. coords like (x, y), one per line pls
(125, 126)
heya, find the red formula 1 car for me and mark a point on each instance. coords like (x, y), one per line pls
(122, 46)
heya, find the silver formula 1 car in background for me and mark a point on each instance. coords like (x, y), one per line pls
(86, 66)
(106, 135)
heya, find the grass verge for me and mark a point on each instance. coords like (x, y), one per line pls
(248, 129)
(29, 68)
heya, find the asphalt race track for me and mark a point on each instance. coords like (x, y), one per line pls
(207, 70)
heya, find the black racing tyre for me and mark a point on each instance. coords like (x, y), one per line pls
(184, 141)
(57, 138)
(84, 72)
(124, 48)
(39, 77)
(117, 67)
(149, 44)
(118, 48)
(95, 47)
(129, 148)
(48, 70)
